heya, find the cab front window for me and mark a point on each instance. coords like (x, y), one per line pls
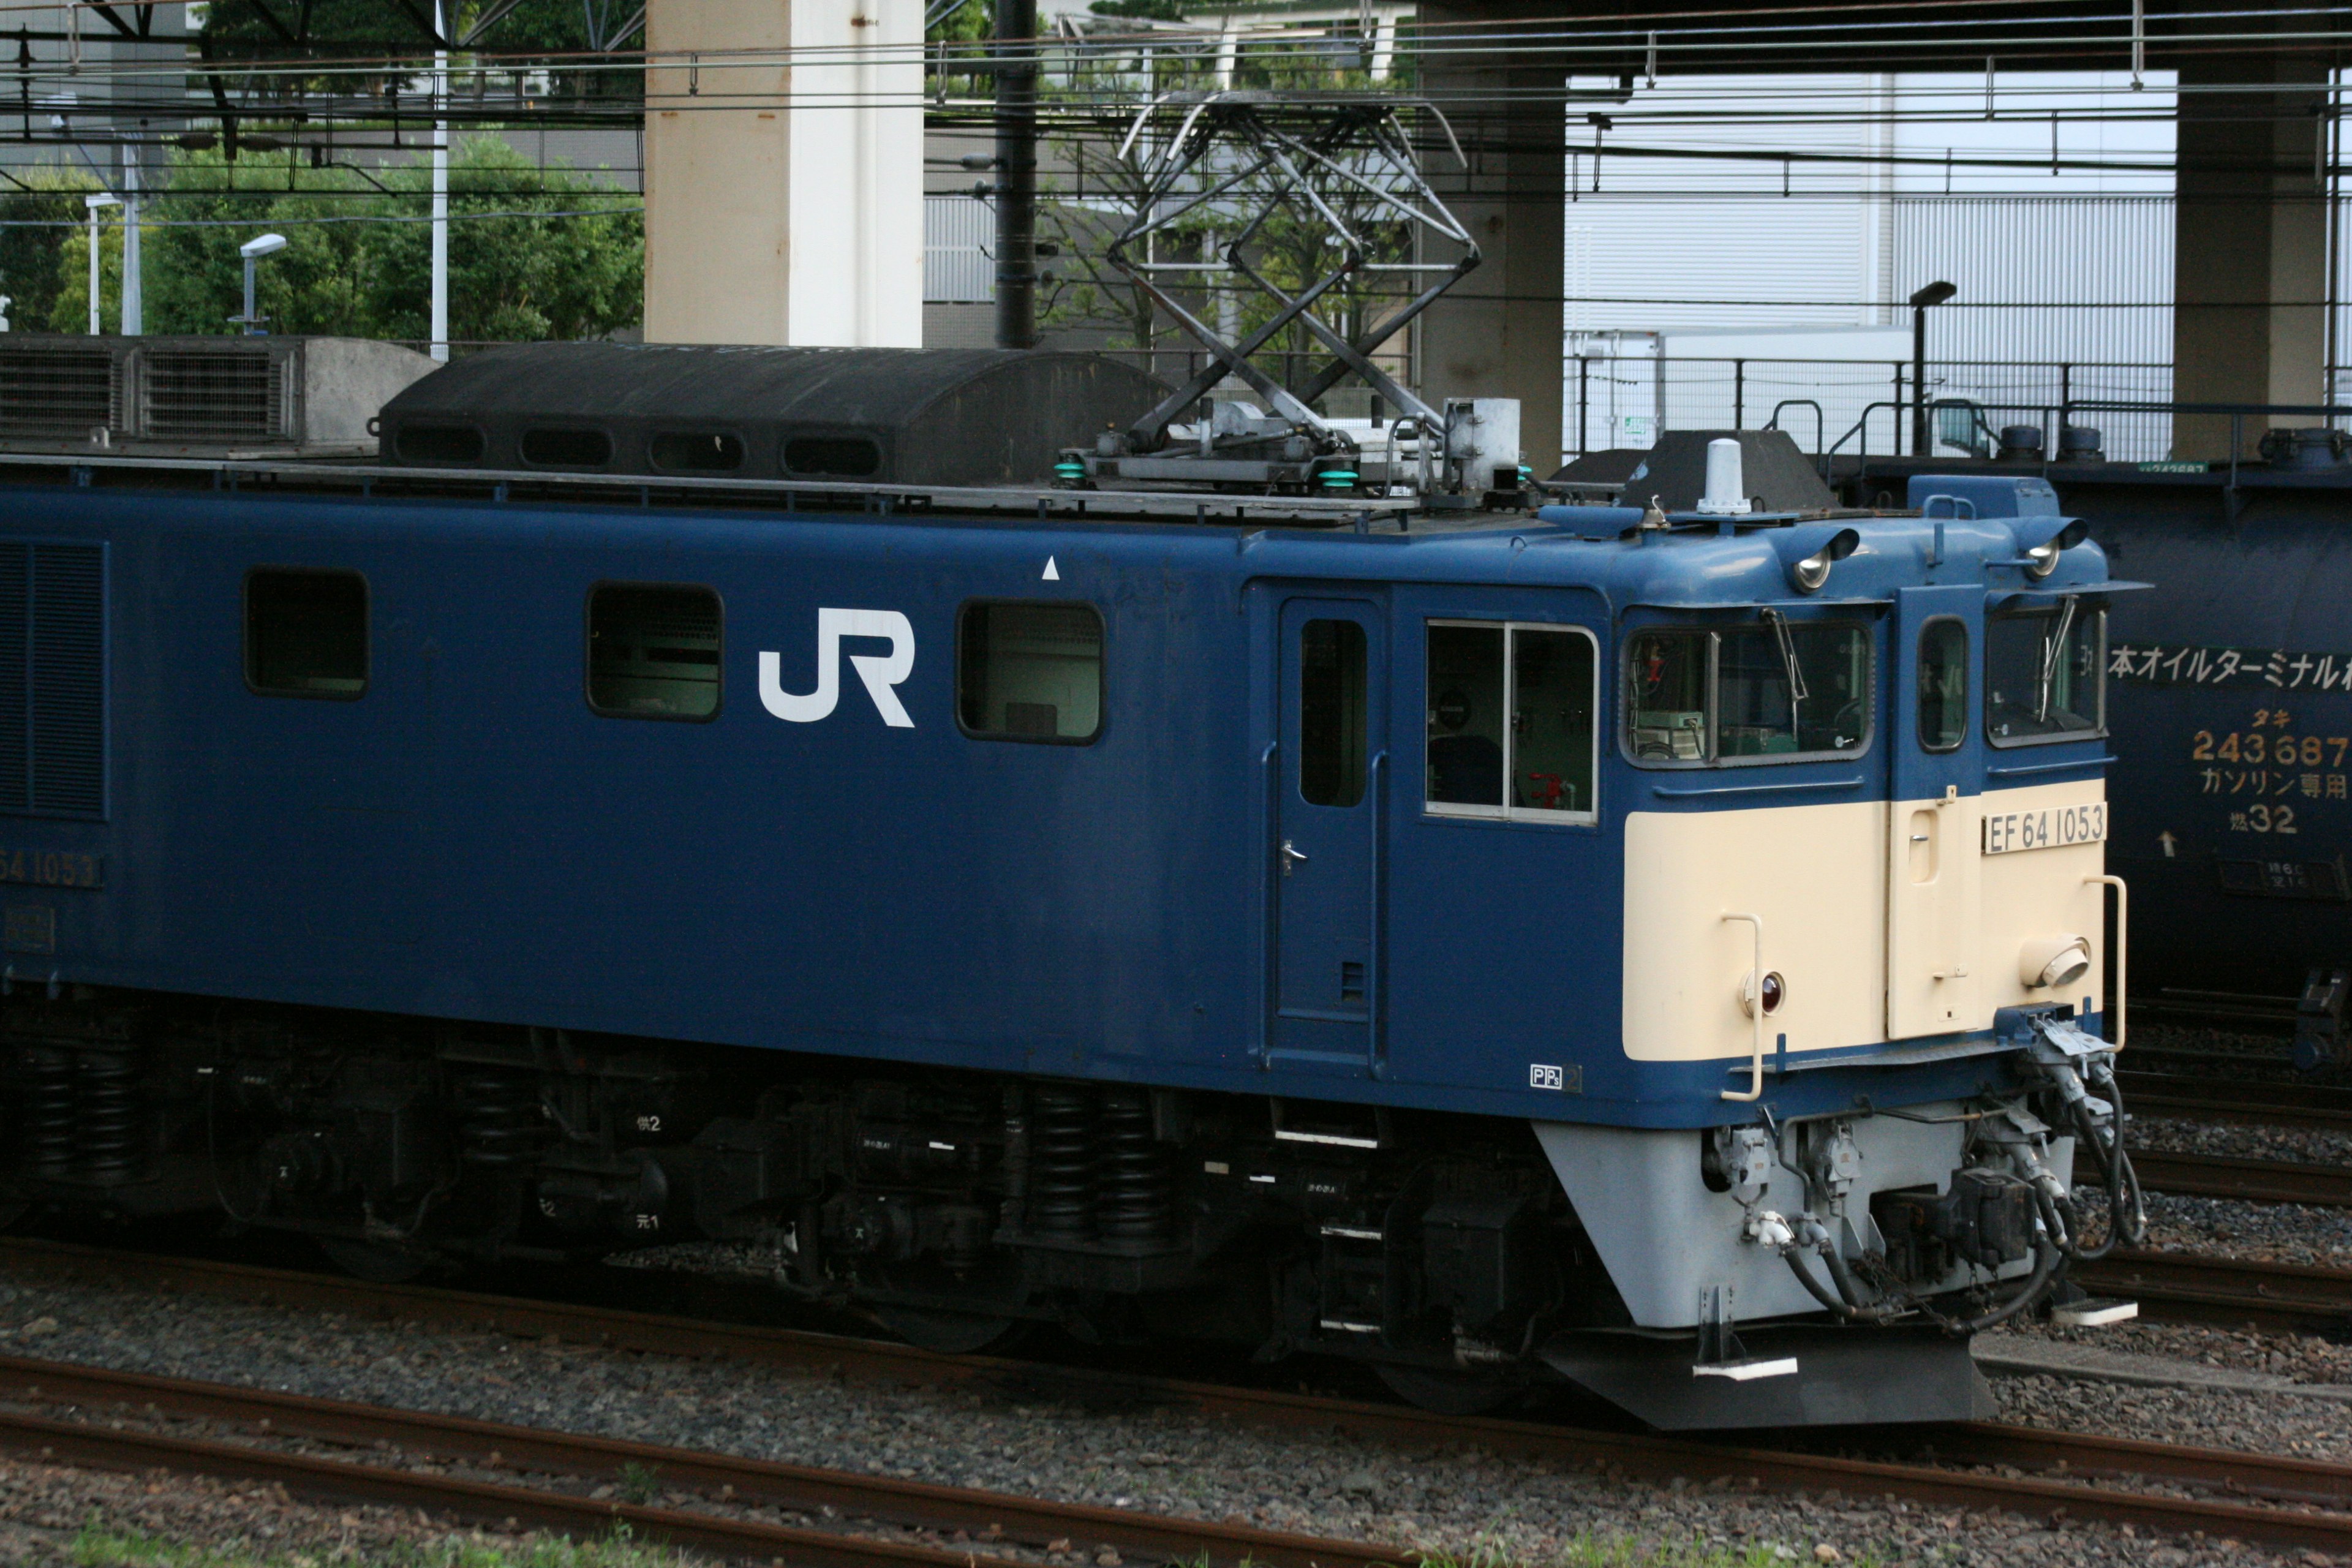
(1771, 691)
(2045, 673)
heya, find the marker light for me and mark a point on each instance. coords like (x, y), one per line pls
(1772, 993)
(1806, 576)
(2040, 560)
(2053, 960)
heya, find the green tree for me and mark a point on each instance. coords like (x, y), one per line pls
(40, 245)
(358, 263)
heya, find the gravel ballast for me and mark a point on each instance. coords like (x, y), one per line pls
(1453, 1501)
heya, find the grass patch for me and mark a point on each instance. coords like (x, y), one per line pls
(102, 1546)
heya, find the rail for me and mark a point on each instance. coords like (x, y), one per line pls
(111, 1404)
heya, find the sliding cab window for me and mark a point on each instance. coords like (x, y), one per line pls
(1030, 672)
(653, 650)
(1511, 731)
(306, 633)
(2045, 674)
(1774, 692)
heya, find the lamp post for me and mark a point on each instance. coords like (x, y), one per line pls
(253, 250)
(1933, 294)
(95, 204)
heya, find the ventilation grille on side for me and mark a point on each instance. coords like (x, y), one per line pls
(67, 391)
(224, 393)
(53, 679)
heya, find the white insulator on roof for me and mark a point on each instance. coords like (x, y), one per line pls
(1726, 487)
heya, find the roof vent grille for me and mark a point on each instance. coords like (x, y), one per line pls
(56, 390)
(231, 392)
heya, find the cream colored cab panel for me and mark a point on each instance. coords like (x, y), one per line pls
(1817, 877)
(2034, 895)
(1864, 904)
(1933, 916)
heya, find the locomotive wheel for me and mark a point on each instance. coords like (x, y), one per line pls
(377, 1262)
(948, 1333)
(1449, 1393)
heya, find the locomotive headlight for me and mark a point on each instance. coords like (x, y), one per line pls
(1808, 573)
(2040, 560)
(2047, 962)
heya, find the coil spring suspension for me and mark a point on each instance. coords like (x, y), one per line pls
(1133, 1199)
(48, 1130)
(112, 1126)
(1061, 1160)
(498, 1119)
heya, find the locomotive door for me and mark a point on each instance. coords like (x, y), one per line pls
(1936, 778)
(1331, 769)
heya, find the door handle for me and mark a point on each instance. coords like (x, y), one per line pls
(1290, 857)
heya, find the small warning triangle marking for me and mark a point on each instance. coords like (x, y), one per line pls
(1053, 573)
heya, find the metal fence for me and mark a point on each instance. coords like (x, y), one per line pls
(1853, 407)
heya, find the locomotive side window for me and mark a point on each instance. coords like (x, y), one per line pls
(2045, 675)
(653, 650)
(1776, 691)
(306, 633)
(1510, 720)
(1331, 699)
(1030, 672)
(1943, 684)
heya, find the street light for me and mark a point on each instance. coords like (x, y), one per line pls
(253, 250)
(95, 204)
(1933, 294)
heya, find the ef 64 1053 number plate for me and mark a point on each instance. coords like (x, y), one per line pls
(2051, 827)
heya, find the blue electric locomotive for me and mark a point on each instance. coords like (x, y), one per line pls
(1493, 946)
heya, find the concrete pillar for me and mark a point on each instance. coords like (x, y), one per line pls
(2250, 246)
(784, 173)
(1499, 332)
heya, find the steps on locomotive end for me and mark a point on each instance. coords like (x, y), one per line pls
(2228, 1176)
(2181, 1287)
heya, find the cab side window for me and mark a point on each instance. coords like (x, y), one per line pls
(306, 633)
(653, 650)
(1030, 672)
(1510, 719)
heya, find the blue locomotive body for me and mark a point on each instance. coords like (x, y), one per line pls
(1007, 913)
(471, 839)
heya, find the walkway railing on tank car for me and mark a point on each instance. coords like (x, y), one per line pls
(1625, 399)
(2237, 412)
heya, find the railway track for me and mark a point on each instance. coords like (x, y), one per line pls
(2251, 1181)
(96, 1416)
(2314, 1107)
(2183, 1286)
